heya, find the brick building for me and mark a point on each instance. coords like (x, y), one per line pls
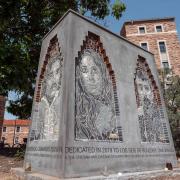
(158, 36)
(12, 131)
(15, 131)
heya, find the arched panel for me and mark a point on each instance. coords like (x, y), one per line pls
(150, 112)
(97, 115)
(48, 95)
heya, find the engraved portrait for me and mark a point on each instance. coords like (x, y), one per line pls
(51, 89)
(150, 121)
(47, 113)
(95, 108)
(48, 96)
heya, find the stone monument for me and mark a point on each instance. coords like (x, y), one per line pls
(98, 108)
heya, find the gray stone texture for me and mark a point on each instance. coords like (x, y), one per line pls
(145, 175)
(66, 156)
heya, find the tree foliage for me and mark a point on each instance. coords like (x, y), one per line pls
(23, 23)
(171, 90)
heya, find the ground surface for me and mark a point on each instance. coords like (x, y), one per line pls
(6, 163)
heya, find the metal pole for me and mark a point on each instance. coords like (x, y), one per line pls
(14, 131)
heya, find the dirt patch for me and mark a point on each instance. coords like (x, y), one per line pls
(6, 163)
(7, 176)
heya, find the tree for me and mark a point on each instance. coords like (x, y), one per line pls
(171, 91)
(23, 23)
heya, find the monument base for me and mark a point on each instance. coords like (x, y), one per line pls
(22, 175)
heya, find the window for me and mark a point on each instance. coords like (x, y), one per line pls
(16, 141)
(144, 46)
(159, 28)
(142, 30)
(4, 129)
(165, 65)
(164, 55)
(168, 80)
(18, 129)
(162, 47)
(3, 138)
(25, 140)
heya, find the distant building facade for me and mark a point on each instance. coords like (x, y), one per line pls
(12, 131)
(15, 131)
(158, 36)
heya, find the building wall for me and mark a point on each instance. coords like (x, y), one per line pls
(11, 134)
(169, 35)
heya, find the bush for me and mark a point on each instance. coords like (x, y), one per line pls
(20, 153)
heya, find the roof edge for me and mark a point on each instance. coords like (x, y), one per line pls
(96, 24)
(149, 20)
(66, 13)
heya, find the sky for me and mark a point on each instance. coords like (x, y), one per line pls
(147, 9)
(137, 9)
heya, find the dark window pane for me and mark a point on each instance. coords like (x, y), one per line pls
(4, 129)
(144, 46)
(17, 129)
(162, 47)
(25, 140)
(165, 65)
(141, 30)
(16, 140)
(158, 28)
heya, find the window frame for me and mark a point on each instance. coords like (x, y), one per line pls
(160, 54)
(17, 129)
(144, 43)
(162, 28)
(163, 62)
(5, 129)
(16, 140)
(139, 32)
(164, 48)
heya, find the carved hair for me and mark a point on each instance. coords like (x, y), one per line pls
(87, 104)
(48, 69)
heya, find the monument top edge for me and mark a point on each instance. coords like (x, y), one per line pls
(94, 23)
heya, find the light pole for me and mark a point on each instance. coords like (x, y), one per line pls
(14, 131)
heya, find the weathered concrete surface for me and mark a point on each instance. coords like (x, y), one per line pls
(146, 175)
(20, 174)
(67, 156)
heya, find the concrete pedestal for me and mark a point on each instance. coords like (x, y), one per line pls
(22, 175)
(98, 107)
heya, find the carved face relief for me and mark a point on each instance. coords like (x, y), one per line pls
(46, 115)
(91, 75)
(95, 109)
(144, 87)
(150, 113)
(52, 80)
